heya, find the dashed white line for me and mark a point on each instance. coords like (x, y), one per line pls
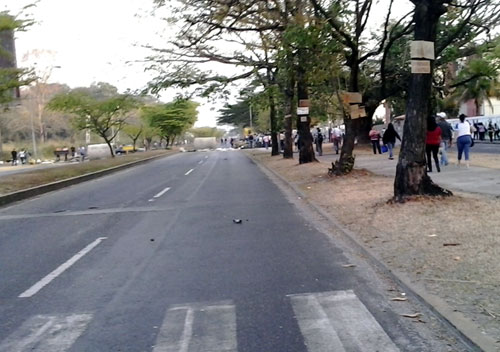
(200, 162)
(187, 173)
(63, 267)
(162, 192)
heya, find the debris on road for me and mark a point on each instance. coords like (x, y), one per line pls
(237, 221)
(348, 265)
(412, 316)
(451, 244)
(399, 299)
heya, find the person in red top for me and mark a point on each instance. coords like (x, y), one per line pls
(432, 142)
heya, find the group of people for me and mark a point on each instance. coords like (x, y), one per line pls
(336, 137)
(480, 130)
(440, 135)
(21, 156)
(439, 139)
(388, 138)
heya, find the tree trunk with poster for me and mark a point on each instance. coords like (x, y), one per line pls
(411, 172)
(305, 138)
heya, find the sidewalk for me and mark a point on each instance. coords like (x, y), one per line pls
(473, 180)
(479, 180)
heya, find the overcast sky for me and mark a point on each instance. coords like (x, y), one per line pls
(96, 40)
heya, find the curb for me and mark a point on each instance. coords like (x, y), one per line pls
(464, 329)
(53, 186)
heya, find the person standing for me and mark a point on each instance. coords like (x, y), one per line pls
(389, 139)
(432, 142)
(464, 139)
(22, 156)
(250, 140)
(319, 142)
(446, 137)
(13, 154)
(482, 130)
(375, 139)
(497, 131)
(491, 131)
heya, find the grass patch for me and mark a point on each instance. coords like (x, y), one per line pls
(38, 176)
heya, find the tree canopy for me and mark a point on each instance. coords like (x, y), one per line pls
(104, 116)
(171, 119)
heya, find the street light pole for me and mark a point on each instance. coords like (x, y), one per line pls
(33, 139)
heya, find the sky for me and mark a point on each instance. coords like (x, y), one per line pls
(78, 42)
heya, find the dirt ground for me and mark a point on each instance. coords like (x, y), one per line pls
(449, 246)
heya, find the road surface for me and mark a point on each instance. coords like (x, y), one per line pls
(194, 252)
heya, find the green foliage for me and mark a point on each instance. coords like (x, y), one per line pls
(237, 114)
(478, 80)
(171, 119)
(207, 132)
(103, 116)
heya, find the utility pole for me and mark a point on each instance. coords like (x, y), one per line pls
(251, 118)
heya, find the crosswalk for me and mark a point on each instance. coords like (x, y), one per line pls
(329, 321)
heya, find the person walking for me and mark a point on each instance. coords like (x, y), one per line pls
(319, 141)
(432, 142)
(13, 154)
(375, 139)
(446, 137)
(464, 139)
(389, 139)
(265, 139)
(337, 138)
(497, 131)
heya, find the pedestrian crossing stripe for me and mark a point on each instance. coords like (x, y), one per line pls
(338, 321)
(54, 333)
(215, 328)
(329, 321)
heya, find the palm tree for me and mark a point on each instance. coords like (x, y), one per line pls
(479, 82)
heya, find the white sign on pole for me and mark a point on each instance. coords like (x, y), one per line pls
(303, 119)
(303, 110)
(421, 49)
(420, 66)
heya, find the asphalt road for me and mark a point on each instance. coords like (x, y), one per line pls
(151, 259)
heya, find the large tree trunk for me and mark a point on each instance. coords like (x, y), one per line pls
(345, 164)
(275, 148)
(411, 172)
(306, 149)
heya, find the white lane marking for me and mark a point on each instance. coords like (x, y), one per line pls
(206, 157)
(54, 274)
(200, 162)
(202, 327)
(187, 173)
(162, 193)
(354, 325)
(55, 333)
